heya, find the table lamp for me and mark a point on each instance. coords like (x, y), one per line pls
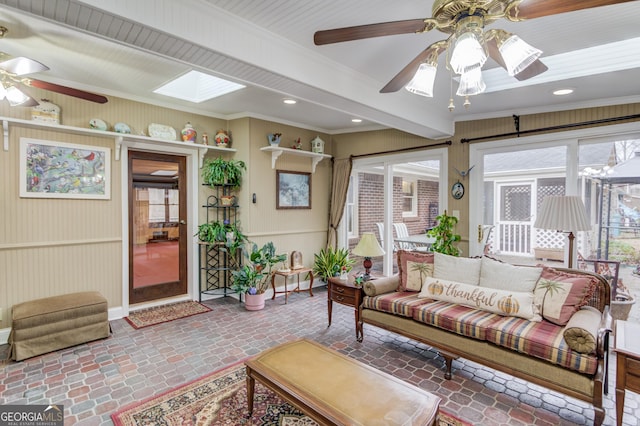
(564, 214)
(368, 247)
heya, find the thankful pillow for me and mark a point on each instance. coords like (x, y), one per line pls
(413, 268)
(507, 303)
(461, 269)
(561, 294)
(504, 276)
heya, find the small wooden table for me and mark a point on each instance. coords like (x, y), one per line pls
(334, 389)
(286, 275)
(627, 348)
(346, 293)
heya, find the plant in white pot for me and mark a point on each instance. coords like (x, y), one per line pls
(252, 279)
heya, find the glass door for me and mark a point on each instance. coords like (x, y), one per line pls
(157, 255)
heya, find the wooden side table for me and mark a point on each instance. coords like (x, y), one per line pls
(346, 293)
(627, 349)
(286, 275)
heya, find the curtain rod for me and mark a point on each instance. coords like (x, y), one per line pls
(546, 129)
(391, 151)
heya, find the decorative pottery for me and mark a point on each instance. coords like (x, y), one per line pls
(297, 144)
(222, 138)
(122, 128)
(46, 112)
(317, 145)
(227, 200)
(274, 138)
(189, 134)
(205, 139)
(254, 302)
(97, 124)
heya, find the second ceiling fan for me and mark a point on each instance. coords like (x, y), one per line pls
(468, 45)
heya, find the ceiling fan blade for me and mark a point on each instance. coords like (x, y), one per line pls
(532, 70)
(81, 94)
(21, 66)
(529, 9)
(368, 31)
(406, 74)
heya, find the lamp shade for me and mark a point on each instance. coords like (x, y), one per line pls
(562, 213)
(422, 82)
(517, 54)
(368, 246)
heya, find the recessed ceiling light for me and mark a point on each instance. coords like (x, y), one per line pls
(562, 92)
(195, 86)
(290, 101)
(356, 120)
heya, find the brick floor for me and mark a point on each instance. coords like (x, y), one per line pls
(94, 380)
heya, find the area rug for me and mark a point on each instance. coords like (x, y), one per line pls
(160, 314)
(220, 398)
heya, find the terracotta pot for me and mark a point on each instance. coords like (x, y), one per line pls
(254, 302)
(227, 200)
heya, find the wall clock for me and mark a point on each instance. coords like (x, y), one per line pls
(457, 190)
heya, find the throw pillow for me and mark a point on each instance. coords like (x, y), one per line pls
(581, 332)
(561, 294)
(504, 276)
(461, 269)
(507, 303)
(413, 268)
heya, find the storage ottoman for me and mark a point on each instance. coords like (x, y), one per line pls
(52, 323)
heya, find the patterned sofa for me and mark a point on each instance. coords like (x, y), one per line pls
(549, 326)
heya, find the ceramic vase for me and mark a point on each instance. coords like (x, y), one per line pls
(189, 134)
(274, 138)
(254, 302)
(222, 138)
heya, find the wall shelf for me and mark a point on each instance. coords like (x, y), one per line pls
(118, 138)
(277, 151)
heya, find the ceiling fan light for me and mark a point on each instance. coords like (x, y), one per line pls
(422, 82)
(15, 96)
(468, 53)
(518, 54)
(471, 83)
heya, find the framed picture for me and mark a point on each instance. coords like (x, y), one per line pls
(293, 190)
(62, 170)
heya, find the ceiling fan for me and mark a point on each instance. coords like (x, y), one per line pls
(467, 45)
(12, 75)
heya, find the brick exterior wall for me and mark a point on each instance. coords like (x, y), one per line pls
(371, 205)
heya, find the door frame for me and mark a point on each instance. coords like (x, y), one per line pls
(192, 171)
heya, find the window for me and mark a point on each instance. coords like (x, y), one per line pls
(163, 205)
(409, 198)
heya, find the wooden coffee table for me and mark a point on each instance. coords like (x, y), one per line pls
(334, 389)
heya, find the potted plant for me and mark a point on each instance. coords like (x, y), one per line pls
(225, 233)
(252, 279)
(444, 235)
(219, 171)
(331, 262)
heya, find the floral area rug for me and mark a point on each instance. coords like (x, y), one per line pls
(220, 398)
(160, 314)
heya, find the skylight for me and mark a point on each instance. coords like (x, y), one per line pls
(197, 87)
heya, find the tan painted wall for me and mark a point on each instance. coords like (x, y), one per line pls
(50, 247)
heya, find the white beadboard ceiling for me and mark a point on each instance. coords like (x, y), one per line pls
(127, 49)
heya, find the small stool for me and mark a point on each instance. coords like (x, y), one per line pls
(286, 275)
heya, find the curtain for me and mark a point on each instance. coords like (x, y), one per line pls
(339, 187)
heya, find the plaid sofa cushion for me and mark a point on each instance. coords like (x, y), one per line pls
(543, 340)
(459, 319)
(400, 303)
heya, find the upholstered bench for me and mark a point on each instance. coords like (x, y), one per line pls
(52, 323)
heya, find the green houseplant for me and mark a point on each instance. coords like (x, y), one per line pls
(252, 279)
(330, 262)
(444, 235)
(219, 171)
(224, 232)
